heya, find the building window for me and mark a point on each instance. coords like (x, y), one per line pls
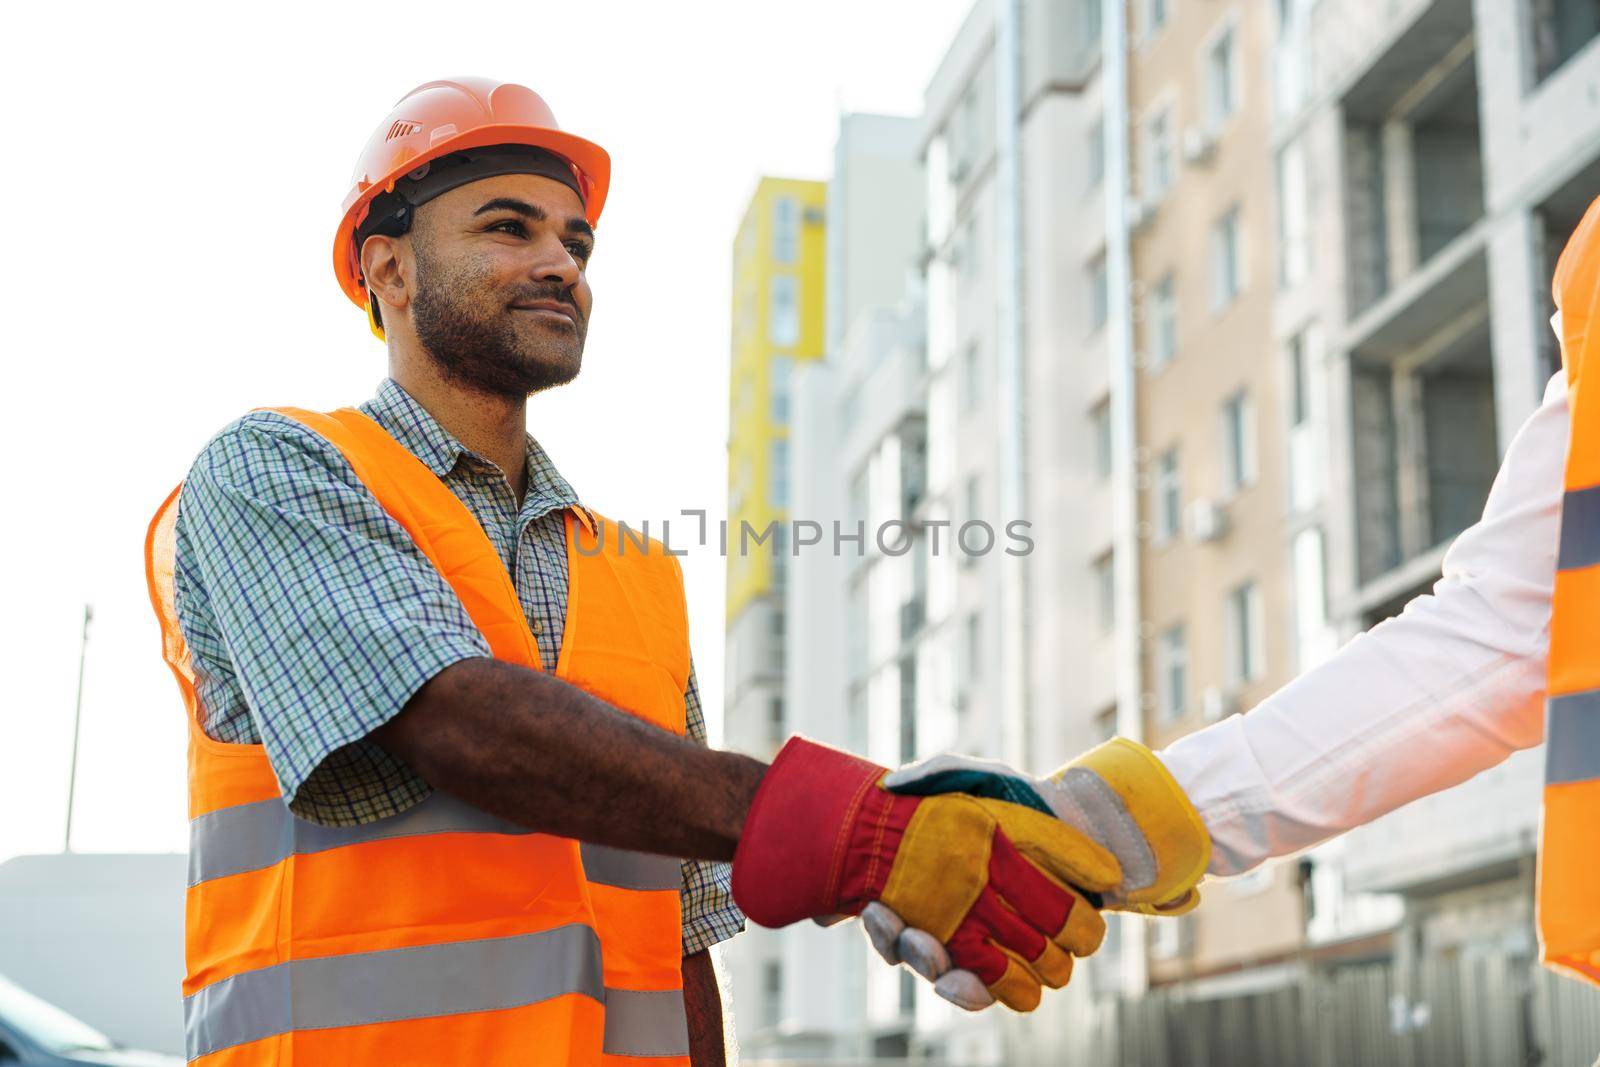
(1159, 169)
(1305, 448)
(971, 378)
(1294, 222)
(779, 369)
(771, 993)
(967, 252)
(1100, 417)
(1227, 260)
(908, 709)
(1299, 381)
(1095, 150)
(1091, 24)
(783, 312)
(1291, 79)
(1169, 496)
(1222, 80)
(1238, 442)
(1560, 29)
(785, 230)
(1313, 637)
(775, 731)
(1161, 322)
(1156, 13)
(973, 650)
(1105, 593)
(1172, 673)
(780, 563)
(1246, 656)
(778, 473)
(1099, 293)
(964, 136)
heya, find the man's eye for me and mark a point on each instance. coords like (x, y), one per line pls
(514, 227)
(579, 250)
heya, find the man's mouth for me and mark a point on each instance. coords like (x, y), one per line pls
(549, 309)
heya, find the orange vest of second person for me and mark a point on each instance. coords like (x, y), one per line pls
(1569, 842)
(441, 934)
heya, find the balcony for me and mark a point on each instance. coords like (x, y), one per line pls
(1413, 163)
(1423, 427)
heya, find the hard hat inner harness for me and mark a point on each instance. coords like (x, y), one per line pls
(393, 210)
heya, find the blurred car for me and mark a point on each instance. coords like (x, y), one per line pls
(35, 1033)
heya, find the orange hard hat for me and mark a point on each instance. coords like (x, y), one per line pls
(443, 117)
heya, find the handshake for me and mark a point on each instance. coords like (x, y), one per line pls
(985, 881)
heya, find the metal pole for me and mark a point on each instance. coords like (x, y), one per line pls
(77, 723)
(1124, 411)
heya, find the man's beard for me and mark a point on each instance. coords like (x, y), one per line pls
(479, 346)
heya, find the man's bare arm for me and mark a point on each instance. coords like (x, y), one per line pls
(702, 1002)
(544, 754)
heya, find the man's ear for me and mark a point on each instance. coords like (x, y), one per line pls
(386, 265)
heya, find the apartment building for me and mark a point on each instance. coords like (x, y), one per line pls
(777, 325)
(1432, 159)
(854, 466)
(1016, 658)
(1214, 573)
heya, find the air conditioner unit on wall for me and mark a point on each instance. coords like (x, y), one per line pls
(1140, 213)
(1199, 145)
(1208, 521)
(1218, 703)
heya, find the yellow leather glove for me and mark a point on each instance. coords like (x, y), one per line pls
(1118, 793)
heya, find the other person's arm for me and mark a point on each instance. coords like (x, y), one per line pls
(1420, 703)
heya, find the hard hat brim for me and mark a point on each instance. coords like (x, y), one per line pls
(592, 162)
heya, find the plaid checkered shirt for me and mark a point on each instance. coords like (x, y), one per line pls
(312, 617)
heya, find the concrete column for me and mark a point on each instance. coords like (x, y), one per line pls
(1399, 200)
(1502, 53)
(1516, 317)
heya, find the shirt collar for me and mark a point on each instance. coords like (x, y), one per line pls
(408, 422)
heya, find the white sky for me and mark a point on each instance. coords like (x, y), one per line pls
(173, 176)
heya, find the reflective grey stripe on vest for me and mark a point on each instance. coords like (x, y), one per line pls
(252, 837)
(255, 836)
(388, 986)
(1580, 529)
(1572, 738)
(631, 870)
(646, 1023)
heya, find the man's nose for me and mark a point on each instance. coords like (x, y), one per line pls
(555, 263)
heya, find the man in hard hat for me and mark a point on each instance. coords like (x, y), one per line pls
(445, 743)
(1503, 654)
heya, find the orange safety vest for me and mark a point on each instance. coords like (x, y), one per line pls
(1569, 840)
(441, 934)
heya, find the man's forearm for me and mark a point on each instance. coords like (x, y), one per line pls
(702, 1002)
(544, 754)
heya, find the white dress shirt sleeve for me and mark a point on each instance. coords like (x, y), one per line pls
(1419, 703)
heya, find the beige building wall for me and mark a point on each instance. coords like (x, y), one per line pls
(1214, 550)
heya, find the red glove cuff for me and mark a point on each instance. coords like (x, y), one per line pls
(820, 836)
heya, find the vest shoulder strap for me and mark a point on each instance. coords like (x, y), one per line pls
(444, 530)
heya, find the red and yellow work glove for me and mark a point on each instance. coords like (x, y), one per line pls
(1118, 793)
(1001, 885)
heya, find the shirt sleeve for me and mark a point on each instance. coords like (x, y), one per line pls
(709, 913)
(331, 615)
(1422, 702)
